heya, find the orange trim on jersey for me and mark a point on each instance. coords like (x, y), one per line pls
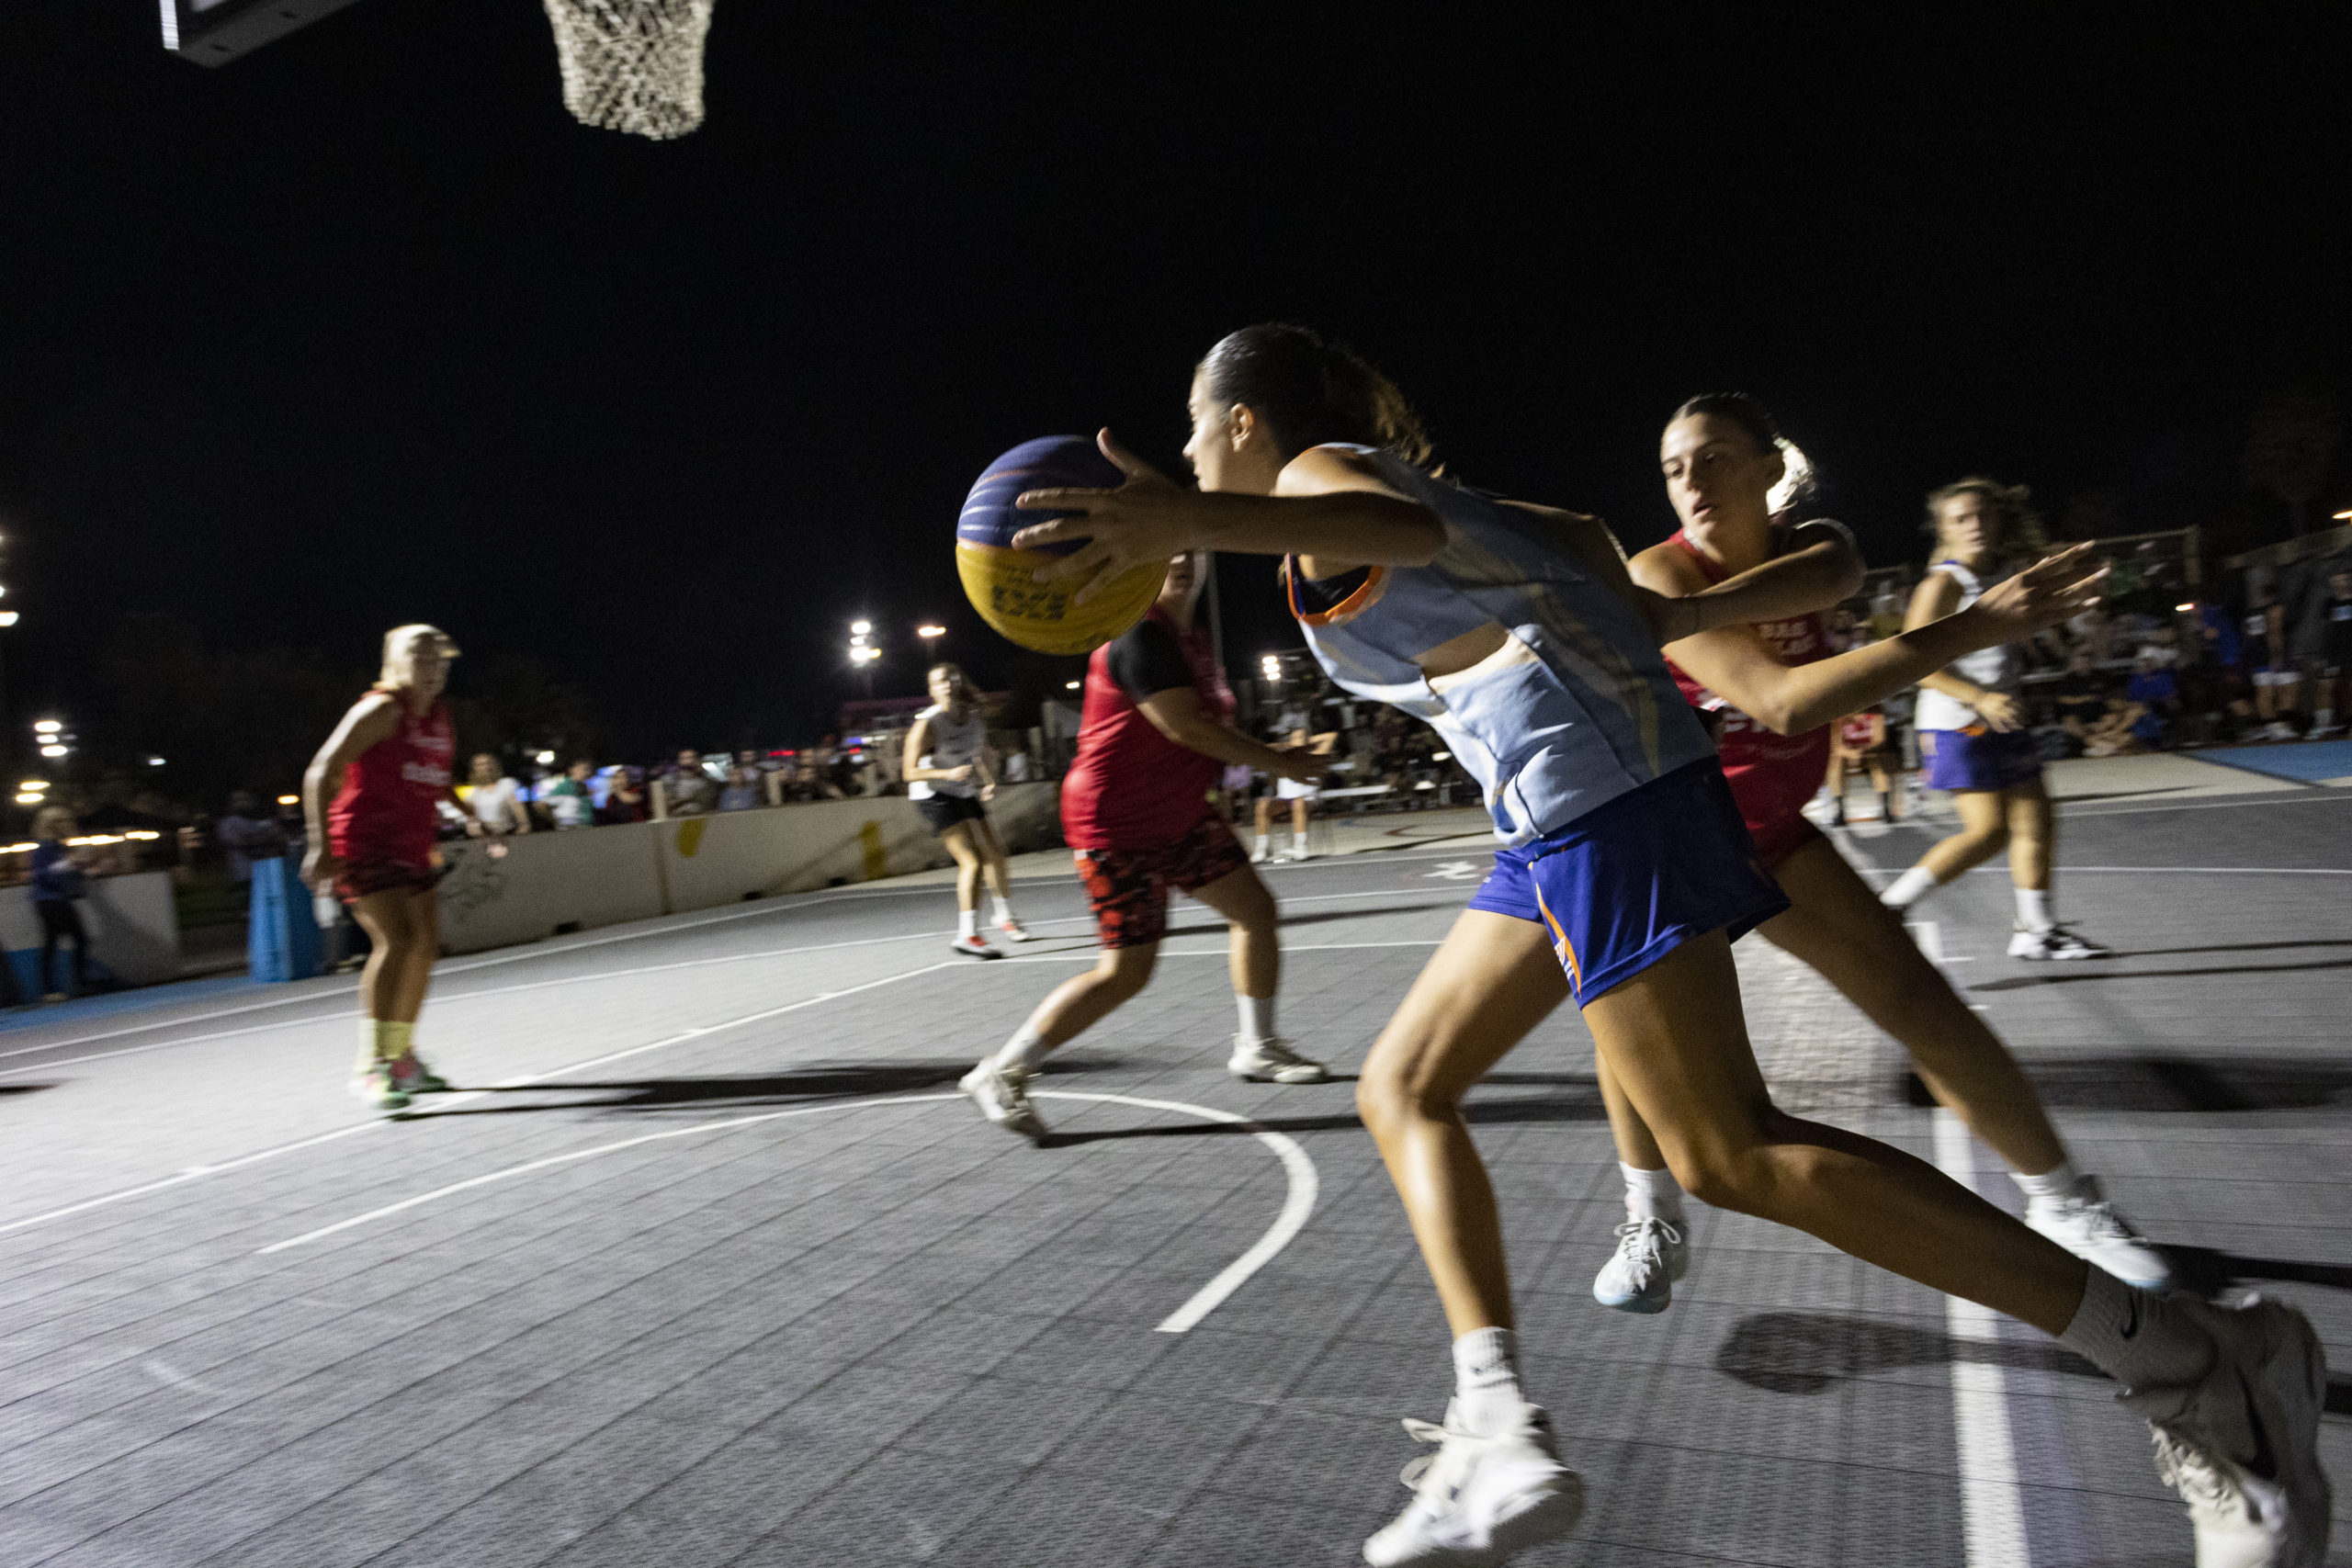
(1560, 943)
(1346, 609)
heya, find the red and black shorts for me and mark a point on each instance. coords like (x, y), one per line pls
(376, 874)
(1128, 889)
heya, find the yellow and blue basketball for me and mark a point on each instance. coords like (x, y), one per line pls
(1001, 582)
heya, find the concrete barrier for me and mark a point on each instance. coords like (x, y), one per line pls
(502, 891)
(133, 925)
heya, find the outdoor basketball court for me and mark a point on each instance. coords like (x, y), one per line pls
(711, 1265)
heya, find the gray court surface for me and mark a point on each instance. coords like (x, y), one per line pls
(710, 1266)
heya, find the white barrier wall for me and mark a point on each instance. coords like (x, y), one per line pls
(134, 928)
(503, 891)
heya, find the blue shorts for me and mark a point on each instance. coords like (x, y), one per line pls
(1978, 759)
(1621, 886)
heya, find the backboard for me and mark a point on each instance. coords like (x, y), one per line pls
(214, 32)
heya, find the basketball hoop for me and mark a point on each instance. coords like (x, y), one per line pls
(633, 66)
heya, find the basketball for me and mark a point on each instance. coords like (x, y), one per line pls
(999, 580)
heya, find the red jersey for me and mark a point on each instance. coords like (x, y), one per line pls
(1130, 786)
(1771, 776)
(386, 808)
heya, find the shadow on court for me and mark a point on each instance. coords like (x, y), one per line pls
(2077, 976)
(2176, 1083)
(816, 1082)
(1809, 1353)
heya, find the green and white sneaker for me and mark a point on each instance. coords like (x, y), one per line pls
(376, 1086)
(411, 1076)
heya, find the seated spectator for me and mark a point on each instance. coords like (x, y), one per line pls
(2155, 689)
(2333, 702)
(623, 799)
(494, 801)
(1019, 768)
(2112, 735)
(742, 791)
(568, 800)
(2079, 699)
(687, 789)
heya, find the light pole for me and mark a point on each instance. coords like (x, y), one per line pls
(930, 632)
(862, 653)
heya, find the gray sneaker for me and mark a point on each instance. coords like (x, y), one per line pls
(1002, 1095)
(2242, 1446)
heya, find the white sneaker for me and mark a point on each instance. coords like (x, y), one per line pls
(2056, 943)
(1272, 1061)
(2242, 1448)
(1639, 1277)
(2087, 1225)
(1013, 930)
(1261, 855)
(1479, 1499)
(975, 946)
(1002, 1095)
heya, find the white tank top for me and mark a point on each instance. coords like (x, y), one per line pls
(952, 746)
(1997, 669)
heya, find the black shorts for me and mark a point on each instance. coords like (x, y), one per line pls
(944, 811)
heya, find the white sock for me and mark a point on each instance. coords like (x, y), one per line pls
(1003, 908)
(2065, 1181)
(1257, 1018)
(1261, 844)
(1298, 843)
(1486, 1379)
(1652, 1194)
(2140, 1339)
(1024, 1050)
(372, 1039)
(968, 922)
(1908, 888)
(2033, 908)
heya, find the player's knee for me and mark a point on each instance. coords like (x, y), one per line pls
(1741, 1167)
(1393, 1090)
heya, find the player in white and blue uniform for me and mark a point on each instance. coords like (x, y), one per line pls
(950, 773)
(1973, 740)
(1624, 873)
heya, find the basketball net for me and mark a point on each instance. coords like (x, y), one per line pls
(633, 66)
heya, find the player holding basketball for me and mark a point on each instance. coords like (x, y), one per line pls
(1973, 739)
(1775, 686)
(1624, 875)
(951, 776)
(1154, 734)
(385, 770)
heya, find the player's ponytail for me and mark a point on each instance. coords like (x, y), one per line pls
(1307, 390)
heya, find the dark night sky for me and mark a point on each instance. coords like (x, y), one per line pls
(365, 329)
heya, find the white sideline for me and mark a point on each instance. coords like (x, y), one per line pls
(1298, 1202)
(533, 951)
(1991, 1505)
(197, 1172)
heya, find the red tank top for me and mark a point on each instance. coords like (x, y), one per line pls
(1770, 776)
(385, 809)
(1130, 787)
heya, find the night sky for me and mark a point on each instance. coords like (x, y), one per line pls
(364, 328)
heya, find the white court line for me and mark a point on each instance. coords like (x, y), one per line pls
(195, 1172)
(1992, 1508)
(506, 990)
(2141, 870)
(532, 951)
(1298, 1202)
(2255, 797)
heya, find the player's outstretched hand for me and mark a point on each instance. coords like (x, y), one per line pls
(2050, 591)
(1144, 522)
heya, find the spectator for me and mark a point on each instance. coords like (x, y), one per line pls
(2274, 677)
(247, 834)
(2114, 734)
(2155, 691)
(2079, 700)
(2334, 699)
(494, 801)
(623, 799)
(1019, 768)
(742, 791)
(687, 790)
(59, 882)
(568, 799)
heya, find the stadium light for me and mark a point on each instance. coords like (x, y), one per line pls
(289, 799)
(1070, 685)
(7, 617)
(34, 785)
(155, 762)
(544, 759)
(54, 750)
(46, 726)
(860, 627)
(929, 632)
(30, 799)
